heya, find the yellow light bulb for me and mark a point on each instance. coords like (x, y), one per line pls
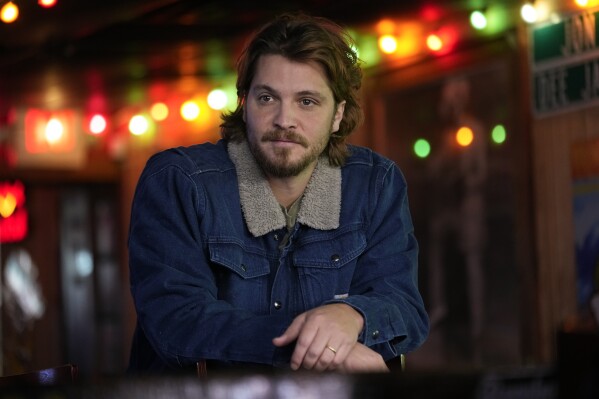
(464, 136)
(138, 125)
(9, 12)
(434, 42)
(159, 111)
(388, 44)
(190, 110)
(54, 131)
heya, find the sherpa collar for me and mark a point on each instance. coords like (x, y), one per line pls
(321, 203)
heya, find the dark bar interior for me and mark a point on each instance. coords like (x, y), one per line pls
(492, 117)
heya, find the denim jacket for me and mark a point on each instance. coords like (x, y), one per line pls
(210, 279)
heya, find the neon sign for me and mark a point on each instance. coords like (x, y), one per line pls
(13, 215)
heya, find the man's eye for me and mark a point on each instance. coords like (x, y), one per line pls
(265, 98)
(307, 101)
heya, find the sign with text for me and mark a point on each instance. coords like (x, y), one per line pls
(565, 64)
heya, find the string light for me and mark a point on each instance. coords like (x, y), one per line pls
(434, 42)
(464, 136)
(97, 124)
(47, 3)
(422, 148)
(217, 99)
(498, 134)
(388, 44)
(9, 12)
(478, 20)
(159, 111)
(190, 110)
(528, 13)
(543, 10)
(138, 125)
(390, 36)
(54, 131)
(586, 3)
(385, 27)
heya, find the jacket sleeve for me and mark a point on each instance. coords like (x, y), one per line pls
(173, 286)
(384, 288)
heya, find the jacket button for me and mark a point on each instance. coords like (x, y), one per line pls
(243, 268)
(276, 237)
(335, 258)
(278, 305)
(375, 334)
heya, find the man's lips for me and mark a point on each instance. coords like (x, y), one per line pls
(284, 139)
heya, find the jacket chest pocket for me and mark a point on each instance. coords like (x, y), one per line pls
(326, 266)
(241, 276)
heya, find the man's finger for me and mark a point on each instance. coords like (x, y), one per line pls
(291, 333)
(304, 344)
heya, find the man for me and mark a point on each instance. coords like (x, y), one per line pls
(279, 245)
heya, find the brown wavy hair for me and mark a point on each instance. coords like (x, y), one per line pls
(303, 38)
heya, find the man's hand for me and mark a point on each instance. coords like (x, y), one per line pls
(362, 359)
(325, 336)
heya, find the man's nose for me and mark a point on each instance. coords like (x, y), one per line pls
(286, 116)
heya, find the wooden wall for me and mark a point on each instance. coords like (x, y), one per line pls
(552, 139)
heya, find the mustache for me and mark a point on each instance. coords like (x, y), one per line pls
(287, 135)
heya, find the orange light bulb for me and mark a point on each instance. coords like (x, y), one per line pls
(9, 12)
(464, 136)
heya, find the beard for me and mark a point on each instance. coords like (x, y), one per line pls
(279, 164)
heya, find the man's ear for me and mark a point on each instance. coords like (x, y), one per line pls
(338, 116)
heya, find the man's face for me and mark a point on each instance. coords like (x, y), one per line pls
(290, 113)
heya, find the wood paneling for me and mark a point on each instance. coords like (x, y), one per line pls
(552, 140)
(402, 104)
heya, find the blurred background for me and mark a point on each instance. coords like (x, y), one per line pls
(489, 108)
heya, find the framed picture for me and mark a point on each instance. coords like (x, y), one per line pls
(584, 157)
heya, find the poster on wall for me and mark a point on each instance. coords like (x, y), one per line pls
(584, 157)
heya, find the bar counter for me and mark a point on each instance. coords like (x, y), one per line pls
(529, 383)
